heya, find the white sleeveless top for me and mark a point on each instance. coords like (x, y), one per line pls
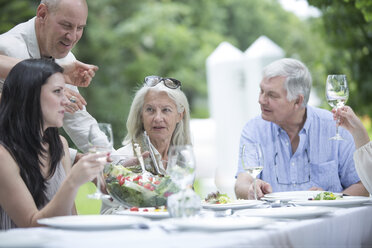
(52, 186)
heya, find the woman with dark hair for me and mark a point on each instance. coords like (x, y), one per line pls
(36, 177)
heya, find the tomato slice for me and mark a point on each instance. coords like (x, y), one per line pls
(121, 181)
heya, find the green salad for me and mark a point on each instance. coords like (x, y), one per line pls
(217, 198)
(131, 190)
(327, 196)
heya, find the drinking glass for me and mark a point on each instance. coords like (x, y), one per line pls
(337, 93)
(252, 161)
(181, 168)
(100, 140)
(181, 165)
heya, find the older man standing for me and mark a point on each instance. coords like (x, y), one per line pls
(55, 30)
(295, 139)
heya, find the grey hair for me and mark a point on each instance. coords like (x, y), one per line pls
(135, 128)
(298, 78)
(54, 4)
(51, 4)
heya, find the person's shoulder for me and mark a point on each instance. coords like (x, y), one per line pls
(257, 122)
(4, 152)
(7, 160)
(322, 119)
(64, 141)
(13, 44)
(319, 113)
(66, 161)
(257, 127)
(17, 32)
(65, 145)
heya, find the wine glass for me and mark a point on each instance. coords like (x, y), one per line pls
(181, 168)
(181, 165)
(337, 93)
(252, 161)
(100, 140)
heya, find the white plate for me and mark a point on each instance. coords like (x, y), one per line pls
(291, 195)
(92, 221)
(286, 212)
(238, 204)
(149, 214)
(219, 224)
(345, 201)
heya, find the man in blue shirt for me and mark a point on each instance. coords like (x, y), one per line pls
(298, 154)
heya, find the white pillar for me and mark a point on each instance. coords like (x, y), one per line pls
(225, 89)
(203, 133)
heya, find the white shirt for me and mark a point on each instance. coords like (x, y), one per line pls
(363, 165)
(21, 42)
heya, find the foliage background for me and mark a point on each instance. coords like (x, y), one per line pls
(129, 39)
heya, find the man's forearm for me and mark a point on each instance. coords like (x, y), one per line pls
(356, 189)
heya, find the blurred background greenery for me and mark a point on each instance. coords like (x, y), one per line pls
(129, 39)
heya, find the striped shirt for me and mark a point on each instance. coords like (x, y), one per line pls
(317, 162)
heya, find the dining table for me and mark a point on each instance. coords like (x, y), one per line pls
(340, 226)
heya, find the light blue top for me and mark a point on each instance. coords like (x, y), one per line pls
(318, 161)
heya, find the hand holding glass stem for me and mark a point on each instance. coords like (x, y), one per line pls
(252, 161)
(337, 93)
(100, 141)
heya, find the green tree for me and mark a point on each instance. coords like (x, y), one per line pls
(14, 12)
(347, 28)
(366, 7)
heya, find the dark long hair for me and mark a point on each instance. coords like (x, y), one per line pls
(21, 123)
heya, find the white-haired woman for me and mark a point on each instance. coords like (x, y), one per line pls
(159, 117)
(160, 109)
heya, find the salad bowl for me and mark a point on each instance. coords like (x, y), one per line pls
(130, 188)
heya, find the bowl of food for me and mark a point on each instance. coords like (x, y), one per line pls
(131, 188)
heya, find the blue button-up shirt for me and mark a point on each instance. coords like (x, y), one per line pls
(318, 161)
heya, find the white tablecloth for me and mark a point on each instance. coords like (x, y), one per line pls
(345, 227)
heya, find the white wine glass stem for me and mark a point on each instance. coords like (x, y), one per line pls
(100, 140)
(252, 162)
(337, 93)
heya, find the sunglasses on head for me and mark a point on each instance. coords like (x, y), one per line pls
(171, 83)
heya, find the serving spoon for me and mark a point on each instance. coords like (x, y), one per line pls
(145, 174)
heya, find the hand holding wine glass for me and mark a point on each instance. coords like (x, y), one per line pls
(100, 140)
(87, 168)
(252, 161)
(337, 93)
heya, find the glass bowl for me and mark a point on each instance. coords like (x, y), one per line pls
(126, 185)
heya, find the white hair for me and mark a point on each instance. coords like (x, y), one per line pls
(135, 128)
(54, 4)
(298, 78)
(51, 4)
